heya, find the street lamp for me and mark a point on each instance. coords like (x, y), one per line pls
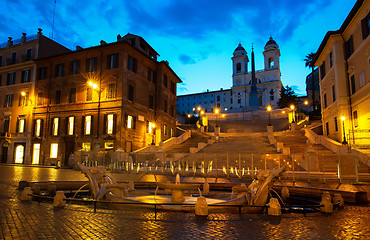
(269, 111)
(153, 132)
(343, 118)
(306, 102)
(217, 111)
(293, 112)
(95, 86)
(189, 116)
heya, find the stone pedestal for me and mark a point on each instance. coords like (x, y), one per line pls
(201, 206)
(177, 196)
(217, 131)
(270, 130)
(274, 207)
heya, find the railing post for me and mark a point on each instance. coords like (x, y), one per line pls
(240, 166)
(339, 172)
(216, 163)
(252, 166)
(227, 166)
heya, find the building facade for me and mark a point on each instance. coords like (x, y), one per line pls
(344, 62)
(17, 79)
(313, 90)
(237, 98)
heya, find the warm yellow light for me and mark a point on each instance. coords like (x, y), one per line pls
(199, 108)
(283, 112)
(23, 94)
(193, 109)
(217, 110)
(91, 84)
(269, 108)
(343, 118)
(306, 102)
(95, 86)
(223, 115)
(189, 116)
(153, 125)
(292, 107)
(202, 112)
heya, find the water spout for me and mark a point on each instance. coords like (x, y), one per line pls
(200, 192)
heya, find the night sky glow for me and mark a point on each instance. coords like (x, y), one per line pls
(197, 37)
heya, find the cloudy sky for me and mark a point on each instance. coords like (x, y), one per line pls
(197, 37)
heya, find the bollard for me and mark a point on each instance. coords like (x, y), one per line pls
(36, 189)
(285, 193)
(206, 187)
(201, 206)
(327, 205)
(274, 207)
(25, 195)
(59, 199)
(51, 189)
(338, 199)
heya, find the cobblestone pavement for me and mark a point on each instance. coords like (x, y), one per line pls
(32, 220)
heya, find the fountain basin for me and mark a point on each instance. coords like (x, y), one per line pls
(178, 190)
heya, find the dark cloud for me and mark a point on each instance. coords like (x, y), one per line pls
(185, 59)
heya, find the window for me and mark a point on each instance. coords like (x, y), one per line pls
(21, 123)
(112, 61)
(173, 88)
(42, 73)
(331, 59)
(23, 99)
(152, 75)
(90, 65)
(353, 84)
(13, 60)
(271, 62)
(58, 94)
(86, 146)
(239, 101)
(132, 64)
(40, 99)
(355, 119)
(165, 80)
(150, 127)
(336, 124)
(26, 75)
(8, 100)
(36, 153)
(110, 119)
(333, 92)
(111, 91)
(55, 128)
(109, 145)
(6, 124)
(151, 102)
(171, 132)
(89, 92)
(218, 98)
(87, 125)
(322, 70)
(38, 127)
(72, 95)
(362, 79)
(172, 112)
(75, 67)
(327, 128)
(165, 106)
(59, 70)
(71, 126)
(130, 93)
(130, 121)
(28, 54)
(325, 103)
(349, 47)
(19, 154)
(365, 26)
(54, 150)
(1, 60)
(10, 79)
(164, 129)
(238, 67)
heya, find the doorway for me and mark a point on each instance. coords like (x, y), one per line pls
(70, 148)
(19, 152)
(4, 156)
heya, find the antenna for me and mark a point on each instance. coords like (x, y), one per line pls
(52, 30)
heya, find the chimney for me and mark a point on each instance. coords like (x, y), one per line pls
(10, 42)
(78, 48)
(119, 37)
(39, 33)
(102, 42)
(23, 37)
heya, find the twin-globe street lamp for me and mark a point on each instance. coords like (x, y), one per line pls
(269, 111)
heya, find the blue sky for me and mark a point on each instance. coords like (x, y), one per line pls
(197, 37)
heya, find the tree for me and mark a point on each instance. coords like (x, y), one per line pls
(287, 97)
(309, 63)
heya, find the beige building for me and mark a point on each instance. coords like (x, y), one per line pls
(344, 62)
(17, 80)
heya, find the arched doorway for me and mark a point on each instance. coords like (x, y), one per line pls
(19, 153)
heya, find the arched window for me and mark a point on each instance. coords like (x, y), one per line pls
(271, 62)
(19, 154)
(238, 67)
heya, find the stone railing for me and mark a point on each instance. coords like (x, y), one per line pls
(175, 140)
(326, 142)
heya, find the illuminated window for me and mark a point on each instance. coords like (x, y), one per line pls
(55, 127)
(54, 150)
(86, 146)
(87, 126)
(21, 124)
(71, 123)
(19, 154)
(109, 145)
(150, 127)
(38, 127)
(355, 119)
(130, 122)
(36, 153)
(165, 129)
(110, 123)
(111, 91)
(171, 132)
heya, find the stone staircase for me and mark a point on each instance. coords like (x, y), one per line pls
(196, 137)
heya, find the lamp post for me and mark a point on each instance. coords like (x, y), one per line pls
(269, 111)
(217, 111)
(343, 118)
(293, 112)
(189, 116)
(97, 88)
(153, 132)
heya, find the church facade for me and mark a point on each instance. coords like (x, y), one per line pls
(263, 86)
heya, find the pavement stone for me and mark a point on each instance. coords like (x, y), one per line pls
(33, 220)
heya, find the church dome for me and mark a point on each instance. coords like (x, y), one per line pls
(239, 48)
(271, 44)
